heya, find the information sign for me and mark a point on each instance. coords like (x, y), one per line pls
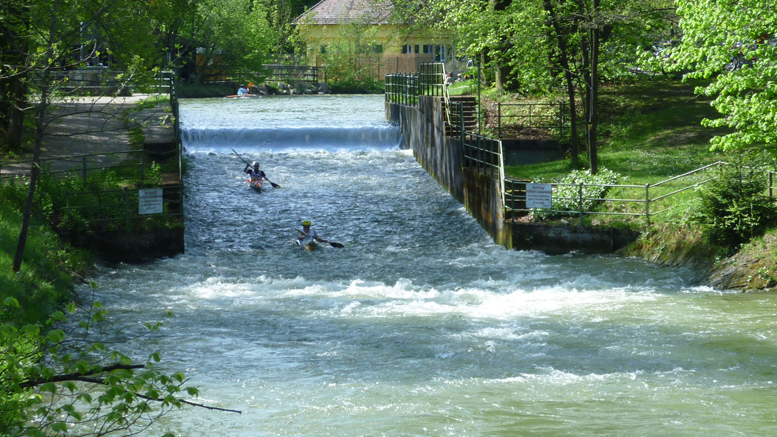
(150, 201)
(539, 196)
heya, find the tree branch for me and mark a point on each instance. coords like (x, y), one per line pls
(80, 376)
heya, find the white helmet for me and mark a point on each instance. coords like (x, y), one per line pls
(255, 163)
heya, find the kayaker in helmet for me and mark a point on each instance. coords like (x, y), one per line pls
(256, 174)
(242, 90)
(307, 231)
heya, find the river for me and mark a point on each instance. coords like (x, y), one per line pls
(420, 325)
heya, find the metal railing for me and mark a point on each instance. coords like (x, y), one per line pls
(402, 89)
(123, 205)
(293, 73)
(590, 199)
(483, 154)
(542, 116)
(83, 166)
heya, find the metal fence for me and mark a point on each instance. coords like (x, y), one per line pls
(293, 73)
(123, 206)
(83, 166)
(112, 204)
(534, 116)
(581, 199)
(404, 88)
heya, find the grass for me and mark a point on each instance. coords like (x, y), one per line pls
(45, 281)
(650, 131)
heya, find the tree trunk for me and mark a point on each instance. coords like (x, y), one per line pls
(564, 61)
(593, 112)
(34, 173)
(585, 47)
(15, 115)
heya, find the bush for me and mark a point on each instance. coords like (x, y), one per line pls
(566, 197)
(735, 207)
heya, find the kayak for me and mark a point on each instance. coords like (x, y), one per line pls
(238, 96)
(307, 243)
(256, 185)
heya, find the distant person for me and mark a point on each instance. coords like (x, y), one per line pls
(448, 79)
(242, 90)
(254, 172)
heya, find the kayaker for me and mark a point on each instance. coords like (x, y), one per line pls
(242, 90)
(256, 174)
(307, 231)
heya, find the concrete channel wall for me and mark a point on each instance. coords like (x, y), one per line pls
(423, 130)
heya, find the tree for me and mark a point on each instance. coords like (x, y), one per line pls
(732, 43)
(541, 40)
(55, 383)
(233, 38)
(50, 37)
(353, 60)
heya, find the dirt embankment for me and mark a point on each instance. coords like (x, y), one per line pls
(752, 269)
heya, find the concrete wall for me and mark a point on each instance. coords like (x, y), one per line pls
(423, 131)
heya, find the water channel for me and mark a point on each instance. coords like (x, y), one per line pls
(420, 325)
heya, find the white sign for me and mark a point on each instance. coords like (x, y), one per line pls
(150, 201)
(539, 196)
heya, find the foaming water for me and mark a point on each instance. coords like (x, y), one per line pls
(284, 123)
(421, 325)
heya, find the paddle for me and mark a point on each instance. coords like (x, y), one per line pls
(331, 243)
(274, 185)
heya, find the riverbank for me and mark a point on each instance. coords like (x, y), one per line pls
(106, 129)
(651, 131)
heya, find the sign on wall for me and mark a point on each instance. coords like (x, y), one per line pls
(539, 196)
(150, 201)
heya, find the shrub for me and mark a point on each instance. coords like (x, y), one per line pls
(566, 197)
(735, 207)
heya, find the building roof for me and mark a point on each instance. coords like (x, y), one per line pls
(347, 11)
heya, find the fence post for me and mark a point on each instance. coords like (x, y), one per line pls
(83, 168)
(126, 207)
(647, 203)
(580, 202)
(771, 180)
(142, 184)
(499, 120)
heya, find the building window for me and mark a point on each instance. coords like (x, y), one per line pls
(440, 54)
(406, 49)
(428, 49)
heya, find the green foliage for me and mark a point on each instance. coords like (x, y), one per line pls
(353, 60)
(44, 282)
(566, 195)
(54, 382)
(732, 43)
(234, 38)
(736, 208)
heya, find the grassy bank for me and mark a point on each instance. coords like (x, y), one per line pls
(46, 280)
(651, 131)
